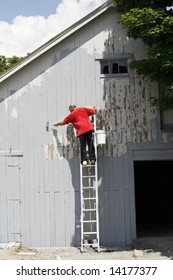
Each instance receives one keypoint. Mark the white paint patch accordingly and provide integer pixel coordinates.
(6, 104)
(55, 148)
(19, 93)
(37, 82)
(14, 113)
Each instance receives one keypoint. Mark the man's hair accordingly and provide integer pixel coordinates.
(72, 106)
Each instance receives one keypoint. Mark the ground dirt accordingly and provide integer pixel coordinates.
(141, 249)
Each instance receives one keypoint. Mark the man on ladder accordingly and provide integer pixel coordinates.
(79, 118)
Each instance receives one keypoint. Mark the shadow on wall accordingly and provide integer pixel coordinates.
(69, 149)
(72, 153)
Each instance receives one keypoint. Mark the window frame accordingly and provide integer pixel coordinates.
(110, 62)
(114, 57)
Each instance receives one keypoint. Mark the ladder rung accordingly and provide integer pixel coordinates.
(89, 232)
(90, 221)
(89, 198)
(90, 244)
(86, 188)
(89, 176)
(89, 165)
(87, 210)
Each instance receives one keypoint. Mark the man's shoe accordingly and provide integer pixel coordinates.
(84, 163)
(92, 162)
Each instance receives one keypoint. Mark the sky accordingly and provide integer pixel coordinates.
(25, 25)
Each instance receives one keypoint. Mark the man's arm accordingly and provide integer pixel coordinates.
(91, 111)
(58, 123)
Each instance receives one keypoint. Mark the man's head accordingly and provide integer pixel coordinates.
(72, 107)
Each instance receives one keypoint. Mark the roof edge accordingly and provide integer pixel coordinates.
(57, 39)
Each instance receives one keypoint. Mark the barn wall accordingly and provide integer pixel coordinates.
(69, 73)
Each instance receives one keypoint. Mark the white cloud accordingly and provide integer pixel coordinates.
(26, 34)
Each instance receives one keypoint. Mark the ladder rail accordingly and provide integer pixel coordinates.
(96, 173)
(81, 200)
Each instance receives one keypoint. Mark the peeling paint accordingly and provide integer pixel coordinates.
(126, 116)
(61, 147)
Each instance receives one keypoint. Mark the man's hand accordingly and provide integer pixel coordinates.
(94, 108)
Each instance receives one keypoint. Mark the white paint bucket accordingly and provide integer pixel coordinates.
(100, 137)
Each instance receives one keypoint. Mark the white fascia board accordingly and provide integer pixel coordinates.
(57, 39)
(111, 56)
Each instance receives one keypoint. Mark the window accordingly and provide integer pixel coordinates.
(113, 66)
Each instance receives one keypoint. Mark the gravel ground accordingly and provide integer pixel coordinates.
(141, 249)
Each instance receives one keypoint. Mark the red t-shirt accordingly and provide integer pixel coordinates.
(80, 120)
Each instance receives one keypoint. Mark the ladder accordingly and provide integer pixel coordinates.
(89, 202)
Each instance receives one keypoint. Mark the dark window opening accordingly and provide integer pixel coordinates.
(114, 66)
(106, 69)
(123, 66)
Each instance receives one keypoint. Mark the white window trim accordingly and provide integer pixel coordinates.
(113, 75)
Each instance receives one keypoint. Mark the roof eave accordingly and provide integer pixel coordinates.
(57, 39)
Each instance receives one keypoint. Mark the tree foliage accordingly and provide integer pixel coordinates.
(124, 6)
(152, 21)
(8, 62)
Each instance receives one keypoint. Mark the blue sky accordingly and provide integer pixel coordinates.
(9, 9)
(26, 25)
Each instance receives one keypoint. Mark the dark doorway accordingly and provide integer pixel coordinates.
(154, 198)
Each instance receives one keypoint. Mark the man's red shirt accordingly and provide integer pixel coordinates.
(80, 120)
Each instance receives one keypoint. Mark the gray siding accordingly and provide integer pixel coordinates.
(42, 199)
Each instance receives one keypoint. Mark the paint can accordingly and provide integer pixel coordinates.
(100, 137)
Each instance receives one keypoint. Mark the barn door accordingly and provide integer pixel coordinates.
(10, 200)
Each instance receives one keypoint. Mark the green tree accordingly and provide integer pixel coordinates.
(126, 5)
(8, 62)
(152, 21)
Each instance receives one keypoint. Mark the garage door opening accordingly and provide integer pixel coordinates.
(154, 198)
